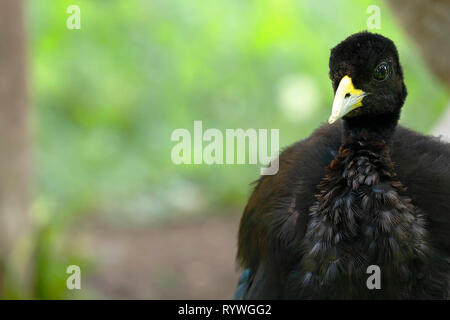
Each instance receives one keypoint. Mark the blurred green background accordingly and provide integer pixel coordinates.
(106, 99)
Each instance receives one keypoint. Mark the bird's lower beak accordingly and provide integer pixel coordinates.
(346, 99)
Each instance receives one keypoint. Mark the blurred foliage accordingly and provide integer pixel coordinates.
(107, 98)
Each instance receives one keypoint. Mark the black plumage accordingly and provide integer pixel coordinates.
(362, 191)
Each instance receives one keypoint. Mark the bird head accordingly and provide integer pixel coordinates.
(366, 76)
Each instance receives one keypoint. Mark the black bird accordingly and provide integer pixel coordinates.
(358, 192)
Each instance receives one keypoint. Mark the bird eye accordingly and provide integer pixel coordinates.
(381, 71)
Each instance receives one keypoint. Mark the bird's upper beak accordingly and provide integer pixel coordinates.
(346, 99)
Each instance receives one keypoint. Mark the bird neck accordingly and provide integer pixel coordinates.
(378, 128)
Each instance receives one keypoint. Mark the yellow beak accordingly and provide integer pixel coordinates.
(346, 99)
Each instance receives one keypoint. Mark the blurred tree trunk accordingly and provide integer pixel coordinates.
(428, 24)
(14, 150)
